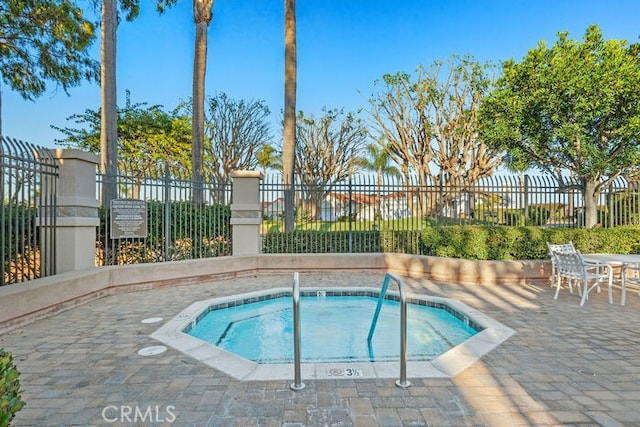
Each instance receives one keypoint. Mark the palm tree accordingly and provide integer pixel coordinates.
(378, 160)
(268, 157)
(202, 14)
(289, 130)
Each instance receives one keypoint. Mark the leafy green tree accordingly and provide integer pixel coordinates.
(571, 109)
(44, 41)
(147, 136)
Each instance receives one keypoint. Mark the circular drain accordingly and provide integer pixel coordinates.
(152, 351)
(587, 372)
(152, 320)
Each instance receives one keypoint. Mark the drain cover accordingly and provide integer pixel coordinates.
(152, 320)
(152, 351)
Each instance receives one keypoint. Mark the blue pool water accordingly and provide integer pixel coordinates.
(333, 329)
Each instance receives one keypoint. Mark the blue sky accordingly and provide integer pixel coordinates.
(343, 47)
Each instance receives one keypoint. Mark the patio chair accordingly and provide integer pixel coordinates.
(574, 268)
(630, 274)
(553, 249)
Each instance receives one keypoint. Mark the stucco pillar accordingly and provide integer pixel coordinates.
(76, 210)
(246, 212)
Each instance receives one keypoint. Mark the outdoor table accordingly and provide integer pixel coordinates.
(614, 260)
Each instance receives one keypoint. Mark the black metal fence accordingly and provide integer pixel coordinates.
(28, 190)
(364, 213)
(370, 208)
(172, 227)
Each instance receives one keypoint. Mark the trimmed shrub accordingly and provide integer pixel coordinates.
(474, 242)
(10, 395)
(537, 215)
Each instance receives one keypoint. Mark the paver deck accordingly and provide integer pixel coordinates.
(565, 365)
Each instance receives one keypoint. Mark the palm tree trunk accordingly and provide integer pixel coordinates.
(109, 106)
(289, 131)
(202, 14)
(108, 117)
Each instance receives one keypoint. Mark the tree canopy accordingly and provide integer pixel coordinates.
(430, 123)
(234, 132)
(147, 136)
(572, 109)
(44, 41)
(328, 150)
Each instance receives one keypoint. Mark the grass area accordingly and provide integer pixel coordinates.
(413, 223)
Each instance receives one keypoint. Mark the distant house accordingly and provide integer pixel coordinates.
(273, 209)
(459, 207)
(339, 205)
(395, 206)
(363, 207)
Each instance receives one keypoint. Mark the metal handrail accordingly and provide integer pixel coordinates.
(402, 382)
(297, 384)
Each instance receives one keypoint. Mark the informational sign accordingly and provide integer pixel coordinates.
(128, 218)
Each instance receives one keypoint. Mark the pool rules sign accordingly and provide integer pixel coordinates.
(128, 218)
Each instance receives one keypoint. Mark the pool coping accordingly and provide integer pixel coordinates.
(447, 365)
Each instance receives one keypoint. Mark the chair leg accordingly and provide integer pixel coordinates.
(585, 293)
(570, 285)
(623, 298)
(558, 284)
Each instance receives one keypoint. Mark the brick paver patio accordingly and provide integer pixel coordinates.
(565, 365)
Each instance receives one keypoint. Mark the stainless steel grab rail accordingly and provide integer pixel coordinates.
(402, 382)
(297, 384)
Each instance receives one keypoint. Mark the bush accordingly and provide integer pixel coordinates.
(514, 218)
(474, 242)
(10, 402)
(538, 215)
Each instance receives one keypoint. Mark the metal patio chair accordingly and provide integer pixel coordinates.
(553, 249)
(575, 269)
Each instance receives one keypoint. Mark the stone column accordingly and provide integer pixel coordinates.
(76, 210)
(246, 212)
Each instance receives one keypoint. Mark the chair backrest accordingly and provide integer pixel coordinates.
(560, 248)
(570, 264)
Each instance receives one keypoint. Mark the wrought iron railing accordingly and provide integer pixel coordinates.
(28, 175)
(176, 228)
(368, 210)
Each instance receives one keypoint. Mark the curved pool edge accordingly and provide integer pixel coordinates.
(447, 365)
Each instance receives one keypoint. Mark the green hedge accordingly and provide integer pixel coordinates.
(474, 242)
